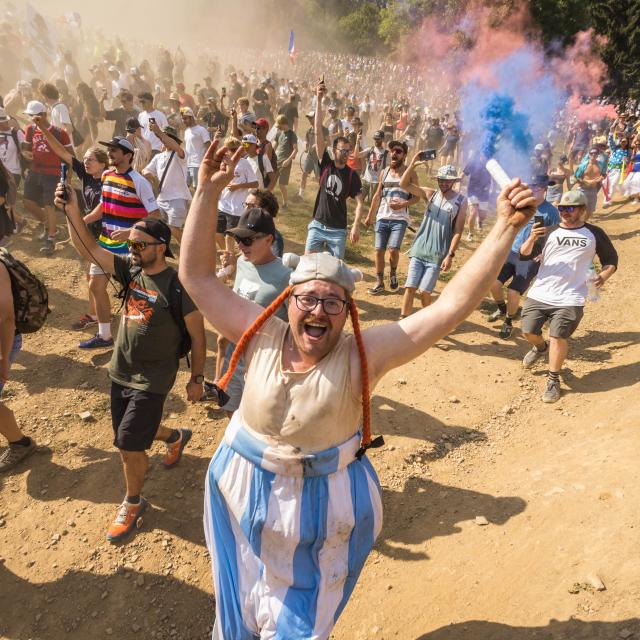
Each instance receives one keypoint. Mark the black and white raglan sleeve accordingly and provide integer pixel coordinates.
(605, 250)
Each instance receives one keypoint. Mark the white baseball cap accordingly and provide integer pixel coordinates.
(35, 107)
(250, 138)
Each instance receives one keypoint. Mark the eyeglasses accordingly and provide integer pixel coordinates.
(247, 242)
(569, 208)
(141, 245)
(331, 306)
(343, 152)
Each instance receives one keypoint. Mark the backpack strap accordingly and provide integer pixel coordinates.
(166, 170)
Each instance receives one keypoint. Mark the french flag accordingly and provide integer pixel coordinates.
(292, 47)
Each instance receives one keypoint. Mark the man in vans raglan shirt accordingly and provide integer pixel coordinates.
(559, 291)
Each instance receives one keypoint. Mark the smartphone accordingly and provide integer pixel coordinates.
(224, 91)
(152, 120)
(538, 219)
(63, 179)
(427, 154)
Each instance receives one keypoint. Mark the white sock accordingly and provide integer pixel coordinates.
(104, 330)
(301, 192)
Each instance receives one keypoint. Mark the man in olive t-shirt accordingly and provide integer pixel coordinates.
(147, 350)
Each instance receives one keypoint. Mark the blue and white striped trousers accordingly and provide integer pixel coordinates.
(288, 535)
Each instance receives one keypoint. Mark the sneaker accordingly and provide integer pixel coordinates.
(39, 233)
(48, 248)
(552, 392)
(393, 281)
(469, 237)
(496, 315)
(126, 519)
(16, 453)
(531, 357)
(174, 449)
(97, 342)
(84, 321)
(379, 288)
(506, 330)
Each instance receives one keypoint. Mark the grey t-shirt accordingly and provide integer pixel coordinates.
(262, 283)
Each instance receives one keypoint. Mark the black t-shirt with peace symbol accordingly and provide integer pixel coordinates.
(336, 185)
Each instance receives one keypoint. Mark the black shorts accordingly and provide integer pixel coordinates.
(520, 272)
(221, 225)
(135, 416)
(40, 188)
(17, 178)
(563, 321)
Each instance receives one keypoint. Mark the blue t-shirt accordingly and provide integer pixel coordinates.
(551, 218)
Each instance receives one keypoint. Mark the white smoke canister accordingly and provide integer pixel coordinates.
(498, 173)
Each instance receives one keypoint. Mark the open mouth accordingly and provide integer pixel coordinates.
(315, 330)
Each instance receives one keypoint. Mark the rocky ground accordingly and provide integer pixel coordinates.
(504, 518)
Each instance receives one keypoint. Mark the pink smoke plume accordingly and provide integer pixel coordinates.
(482, 39)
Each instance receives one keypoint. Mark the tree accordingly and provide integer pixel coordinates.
(619, 22)
(360, 29)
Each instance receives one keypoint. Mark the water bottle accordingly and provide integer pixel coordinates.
(593, 293)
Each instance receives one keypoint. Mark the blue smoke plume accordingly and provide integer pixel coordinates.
(510, 108)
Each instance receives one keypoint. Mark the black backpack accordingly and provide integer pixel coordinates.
(30, 296)
(175, 308)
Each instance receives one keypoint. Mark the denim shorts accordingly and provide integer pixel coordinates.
(390, 233)
(320, 235)
(15, 349)
(422, 275)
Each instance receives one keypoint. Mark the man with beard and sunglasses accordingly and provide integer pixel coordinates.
(559, 292)
(437, 239)
(146, 355)
(390, 206)
(292, 502)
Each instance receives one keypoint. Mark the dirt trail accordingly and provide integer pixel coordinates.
(468, 442)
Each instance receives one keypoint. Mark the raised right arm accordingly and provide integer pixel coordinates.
(228, 313)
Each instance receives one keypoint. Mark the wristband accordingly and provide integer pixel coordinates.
(199, 379)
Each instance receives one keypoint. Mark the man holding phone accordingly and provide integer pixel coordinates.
(565, 253)
(148, 116)
(518, 275)
(390, 206)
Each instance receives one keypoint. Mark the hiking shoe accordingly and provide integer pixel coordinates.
(126, 519)
(552, 392)
(174, 449)
(97, 342)
(379, 288)
(531, 357)
(496, 315)
(393, 282)
(16, 453)
(48, 248)
(84, 321)
(506, 329)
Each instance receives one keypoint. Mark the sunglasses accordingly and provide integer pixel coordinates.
(141, 245)
(343, 152)
(569, 208)
(247, 242)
